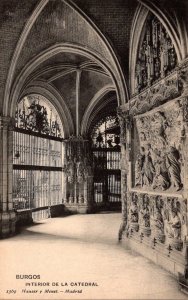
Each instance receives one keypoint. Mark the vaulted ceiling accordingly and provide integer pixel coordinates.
(50, 42)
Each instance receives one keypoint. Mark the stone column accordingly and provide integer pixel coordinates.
(7, 213)
(124, 170)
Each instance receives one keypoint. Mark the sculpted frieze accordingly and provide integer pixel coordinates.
(159, 93)
(158, 217)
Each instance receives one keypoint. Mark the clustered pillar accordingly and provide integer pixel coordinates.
(7, 214)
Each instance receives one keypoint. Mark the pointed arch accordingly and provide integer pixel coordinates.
(96, 99)
(19, 46)
(48, 91)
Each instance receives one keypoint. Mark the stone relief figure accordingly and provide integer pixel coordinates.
(174, 228)
(145, 212)
(69, 170)
(157, 67)
(148, 167)
(133, 210)
(161, 178)
(133, 214)
(174, 169)
(173, 223)
(160, 125)
(142, 137)
(81, 199)
(80, 170)
(158, 222)
(139, 167)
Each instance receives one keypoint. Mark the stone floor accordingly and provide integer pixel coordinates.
(74, 249)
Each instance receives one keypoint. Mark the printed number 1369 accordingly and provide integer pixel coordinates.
(11, 291)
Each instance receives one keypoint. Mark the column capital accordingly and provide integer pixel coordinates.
(125, 116)
(7, 122)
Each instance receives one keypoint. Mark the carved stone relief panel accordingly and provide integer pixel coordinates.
(170, 87)
(161, 218)
(156, 55)
(158, 164)
(78, 161)
(78, 170)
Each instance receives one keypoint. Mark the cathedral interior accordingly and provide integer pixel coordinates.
(94, 138)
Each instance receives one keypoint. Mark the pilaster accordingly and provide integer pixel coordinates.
(125, 141)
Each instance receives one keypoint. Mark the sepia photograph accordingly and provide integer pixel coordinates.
(93, 149)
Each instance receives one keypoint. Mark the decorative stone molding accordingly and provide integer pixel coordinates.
(183, 79)
(159, 93)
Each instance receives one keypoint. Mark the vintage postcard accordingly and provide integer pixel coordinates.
(93, 149)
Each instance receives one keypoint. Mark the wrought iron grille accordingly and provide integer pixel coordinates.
(106, 161)
(35, 114)
(37, 157)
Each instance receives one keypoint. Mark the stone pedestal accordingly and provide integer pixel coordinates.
(177, 244)
(7, 214)
(145, 230)
(134, 226)
(7, 223)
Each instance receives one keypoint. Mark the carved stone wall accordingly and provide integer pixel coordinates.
(155, 142)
